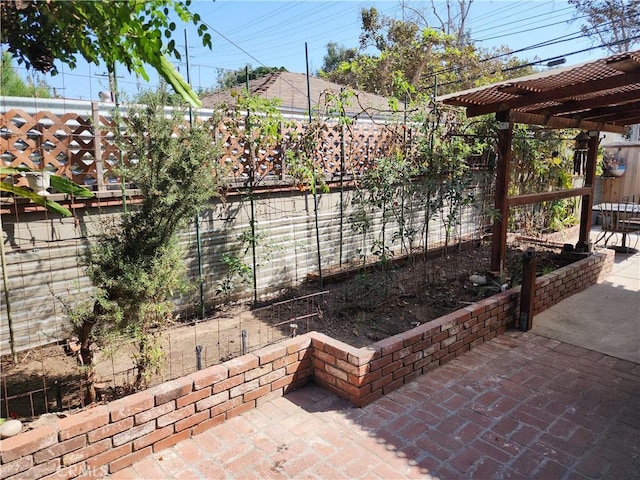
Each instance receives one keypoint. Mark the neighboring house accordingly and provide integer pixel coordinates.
(291, 89)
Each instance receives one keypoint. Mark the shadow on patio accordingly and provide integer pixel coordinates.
(564, 403)
(518, 406)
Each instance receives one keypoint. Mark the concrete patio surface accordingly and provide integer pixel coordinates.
(559, 402)
(604, 317)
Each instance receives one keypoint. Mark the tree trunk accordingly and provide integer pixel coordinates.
(86, 355)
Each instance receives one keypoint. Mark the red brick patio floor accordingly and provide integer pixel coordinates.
(519, 406)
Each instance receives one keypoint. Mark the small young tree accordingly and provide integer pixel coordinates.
(138, 262)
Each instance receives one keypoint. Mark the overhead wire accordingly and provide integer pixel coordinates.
(522, 31)
(538, 62)
(267, 55)
(511, 6)
(517, 17)
(255, 54)
(528, 19)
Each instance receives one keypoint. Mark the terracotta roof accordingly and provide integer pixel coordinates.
(291, 89)
(599, 95)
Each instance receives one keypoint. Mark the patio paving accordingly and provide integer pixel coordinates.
(605, 317)
(519, 406)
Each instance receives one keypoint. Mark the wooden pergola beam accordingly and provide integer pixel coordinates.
(503, 170)
(587, 200)
(598, 96)
(555, 94)
(562, 122)
(580, 106)
(532, 198)
(614, 114)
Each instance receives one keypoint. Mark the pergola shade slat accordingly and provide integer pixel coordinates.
(609, 82)
(598, 96)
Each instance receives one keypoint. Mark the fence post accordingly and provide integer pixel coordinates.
(244, 342)
(199, 357)
(97, 145)
(528, 289)
(58, 395)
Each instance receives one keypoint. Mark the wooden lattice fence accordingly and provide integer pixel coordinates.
(83, 148)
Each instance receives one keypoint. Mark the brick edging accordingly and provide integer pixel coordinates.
(366, 374)
(108, 438)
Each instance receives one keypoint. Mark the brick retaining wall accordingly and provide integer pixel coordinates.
(365, 374)
(108, 438)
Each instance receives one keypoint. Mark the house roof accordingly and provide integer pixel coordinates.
(598, 95)
(291, 89)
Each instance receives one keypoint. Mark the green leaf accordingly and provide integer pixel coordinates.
(64, 185)
(35, 198)
(13, 170)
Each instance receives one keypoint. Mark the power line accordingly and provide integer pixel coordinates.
(523, 31)
(537, 62)
(504, 21)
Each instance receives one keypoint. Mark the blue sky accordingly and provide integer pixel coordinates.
(273, 33)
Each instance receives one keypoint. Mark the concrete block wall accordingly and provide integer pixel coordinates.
(108, 438)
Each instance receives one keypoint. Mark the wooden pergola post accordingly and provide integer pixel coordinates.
(503, 169)
(587, 199)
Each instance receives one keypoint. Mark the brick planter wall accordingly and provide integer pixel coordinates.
(108, 438)
(365, 374)
(564, 282)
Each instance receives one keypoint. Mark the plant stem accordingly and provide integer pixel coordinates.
(5, 281)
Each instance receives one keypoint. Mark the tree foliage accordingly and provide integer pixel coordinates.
(616, 23)
(412, 60)
(452, 21)
(336, 54)
(231, 78)
(137, 262)
(12, 85)
(131, 32)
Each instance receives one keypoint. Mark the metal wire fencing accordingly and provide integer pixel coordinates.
(48, 380)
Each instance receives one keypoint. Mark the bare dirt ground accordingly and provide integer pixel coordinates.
(358, 308)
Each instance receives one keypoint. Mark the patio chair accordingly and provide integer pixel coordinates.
(632, 198)
(620, 218)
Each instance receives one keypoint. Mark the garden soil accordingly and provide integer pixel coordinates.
(358, 307)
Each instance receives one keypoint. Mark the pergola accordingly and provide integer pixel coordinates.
(597, 96)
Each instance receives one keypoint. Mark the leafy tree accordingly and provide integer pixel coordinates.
(613, 22)
(130, 32)
(13, 86)
(452, 21)
(231, 78)
(137, 263)
(336, 54)
(411, 60)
